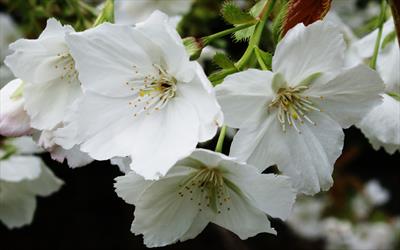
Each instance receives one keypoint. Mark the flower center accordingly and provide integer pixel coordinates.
(207, 187)
(66, 64)
(153, 92)
(293, 107)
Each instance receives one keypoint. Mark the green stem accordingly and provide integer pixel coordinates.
(208, 39)
(260, 60)
(372, 63)
(256, 37)
(221, 139)
(88, 8)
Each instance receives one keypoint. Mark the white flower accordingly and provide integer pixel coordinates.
(132, 12)
(305, 219)
(382, 125)
(143, 97)
(205, 187)
(22, 177)
(375, 193)
(48, 70)
(14, 121)
(293, 116)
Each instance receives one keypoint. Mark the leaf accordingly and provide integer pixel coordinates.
(234, 15)
(223, 61)
(278, 23)
(245, 34)
(394, 95)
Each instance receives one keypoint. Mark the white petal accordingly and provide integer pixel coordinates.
(17, 205)
(75, 158)
(130, 186)
(106, 126)
(242, 92)
(167, 137)
(25, 145)
(46, 184)
(58, 95)
(349, 96)
(201, 94)
(270, 193)
(123, 163)
(13, 119)
(382, 124)
(110, 55)
(34, 60)
(243, 219)
(388, 65)
(304, 51)
(158, 29)
(18, 168)
(307, 158)
(161, 215)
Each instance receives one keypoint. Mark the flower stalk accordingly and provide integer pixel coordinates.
(381, 20)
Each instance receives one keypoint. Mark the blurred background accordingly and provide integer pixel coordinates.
(361, 210)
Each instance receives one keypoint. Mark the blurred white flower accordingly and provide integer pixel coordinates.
(205, 187)
(14, 121)
(48, 70)
(132, 12)
(375, 193)
(338, 233)
(293, 116)
(373, 236)
(353, 15)
(9, 33)
(305, 219)
(22, 177)
(143, 97)
(381, 125)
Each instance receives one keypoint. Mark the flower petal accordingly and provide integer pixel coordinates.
(201, 94)
(17, 206)
(14, 121)
(242, 92)
(130, 186)
(307, 158)
(350, 96)
(388, 65)
(35, 61)
(304, 51)
(109, 56)
(382, 124)
(18, 168)
(159, 207)
(243, 219)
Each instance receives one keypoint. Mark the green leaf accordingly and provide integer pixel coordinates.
(223, 61)
(278, 23)
(234, 15)
(388, 39)
(245, 34)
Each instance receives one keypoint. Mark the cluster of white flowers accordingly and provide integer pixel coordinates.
(130, 94)
(308, 221)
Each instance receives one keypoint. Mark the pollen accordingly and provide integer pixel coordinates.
(293, 107)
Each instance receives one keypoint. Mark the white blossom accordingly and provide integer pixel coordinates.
(48, 70)
(14, 121)
(143, 97)
(23, 176)
(205, 187)
(294, 115)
